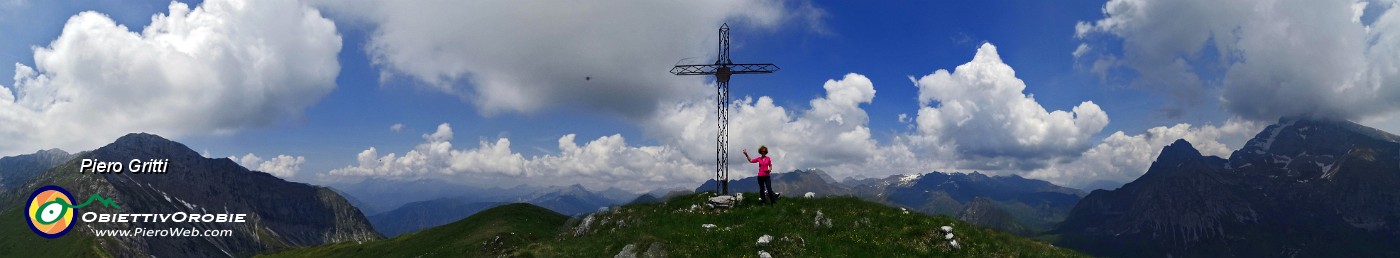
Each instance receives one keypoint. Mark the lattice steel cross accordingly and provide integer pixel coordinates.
(722, 69)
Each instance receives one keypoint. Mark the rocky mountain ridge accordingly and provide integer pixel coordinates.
(1301, 187)
(280, 214)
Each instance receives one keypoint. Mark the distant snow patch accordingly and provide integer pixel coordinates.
(906, 179)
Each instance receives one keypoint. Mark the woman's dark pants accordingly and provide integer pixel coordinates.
(765, 190)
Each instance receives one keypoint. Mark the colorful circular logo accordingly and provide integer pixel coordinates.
(50, 211)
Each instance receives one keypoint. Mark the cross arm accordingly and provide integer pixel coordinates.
(707, 69)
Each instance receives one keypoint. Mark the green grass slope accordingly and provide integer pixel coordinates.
(492, 232)
(856, 228)
(16, 240)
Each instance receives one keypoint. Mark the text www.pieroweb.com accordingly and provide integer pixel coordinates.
(167, 232)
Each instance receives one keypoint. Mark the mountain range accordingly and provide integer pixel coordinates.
(1301, 187)
(426, 214)
(1012, 203)
(383, 195)
(1033, 205)
(19, 169)
(795, 182)
(280, 214)
(376, 195)
(568, 200)
(679, 226)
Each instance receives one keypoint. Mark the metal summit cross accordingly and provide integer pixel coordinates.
(722, 69)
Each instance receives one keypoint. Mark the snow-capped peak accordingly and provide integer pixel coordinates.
(909, 178)
(1269, 143)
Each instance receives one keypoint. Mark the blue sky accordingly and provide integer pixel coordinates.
(383, 76)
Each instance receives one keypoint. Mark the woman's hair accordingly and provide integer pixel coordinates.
(762, 150)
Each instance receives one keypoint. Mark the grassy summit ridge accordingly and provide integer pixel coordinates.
(847, 227)
(491, 232)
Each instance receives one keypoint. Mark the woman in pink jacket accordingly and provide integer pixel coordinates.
(765, 183)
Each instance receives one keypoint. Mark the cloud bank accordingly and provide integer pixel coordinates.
(283, 166)
(606, 161)
(609, 55)
(224, 66)
(975, 118)
(1333, 59)
(1121, 158)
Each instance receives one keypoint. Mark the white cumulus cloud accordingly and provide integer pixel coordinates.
(1121, 158)
(981, 110)
(833, 134)
(604, 162)
(283, 166)
(527, 56)
(221, 67)
(1332, 58)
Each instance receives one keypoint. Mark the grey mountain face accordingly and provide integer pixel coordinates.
(364, 207)
(1299, 188)
(281, 214)
(15, 170)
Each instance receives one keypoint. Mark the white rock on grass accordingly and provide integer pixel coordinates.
(724, 201)
(821, 220)
(656, 250)
(809, 195)
(764, 254)
(629, 251)
(954, 243)
(708, 226)
(948, 237)
(947, 229)
(765, 240)
(583, 227)
(739, 197)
